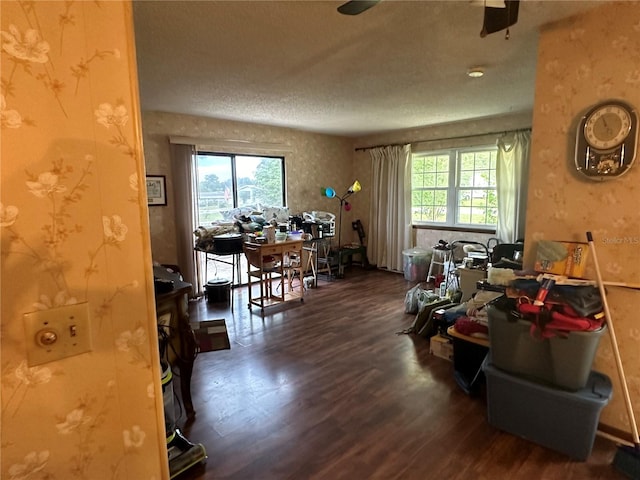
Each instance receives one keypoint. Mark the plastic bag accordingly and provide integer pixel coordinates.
(411, 300)
(417, 297)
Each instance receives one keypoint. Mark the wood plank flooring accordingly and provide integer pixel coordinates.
(326, 389)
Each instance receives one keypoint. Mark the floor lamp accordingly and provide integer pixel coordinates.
(331, 193)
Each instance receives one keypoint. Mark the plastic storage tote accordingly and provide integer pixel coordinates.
(564, 362)
(557, 419)
(416, 264)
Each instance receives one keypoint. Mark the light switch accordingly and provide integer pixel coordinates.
(57, 333)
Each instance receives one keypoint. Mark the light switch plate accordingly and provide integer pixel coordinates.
(57, 333)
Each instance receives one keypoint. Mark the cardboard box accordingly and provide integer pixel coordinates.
(561, 258)
(211, 335)
(441, 347)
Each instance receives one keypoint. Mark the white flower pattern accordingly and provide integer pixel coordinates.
(8, 215)
(60, 299)
(114, 230)
(32, 376)
(46, 185)
(109, 116)
(133, 438)
(74, 420)
(28, 47)
(128, 339)
(8, 118)
(33, 462)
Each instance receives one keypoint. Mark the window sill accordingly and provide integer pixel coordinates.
(448, 228)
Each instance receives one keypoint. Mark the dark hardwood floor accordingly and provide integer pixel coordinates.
(326, 389)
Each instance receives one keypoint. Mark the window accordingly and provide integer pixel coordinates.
(227, 181)
(455, 188)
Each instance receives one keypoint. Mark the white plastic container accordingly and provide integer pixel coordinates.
(416, 264)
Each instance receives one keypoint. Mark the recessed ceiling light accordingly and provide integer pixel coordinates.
(476, 72)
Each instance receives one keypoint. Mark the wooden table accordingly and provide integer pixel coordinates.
(172, 310)
(258, 268)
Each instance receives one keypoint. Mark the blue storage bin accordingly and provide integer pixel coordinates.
(554, 418)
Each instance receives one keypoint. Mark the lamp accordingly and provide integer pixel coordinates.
(331, 193)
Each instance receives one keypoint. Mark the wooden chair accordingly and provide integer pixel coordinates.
(263, 271)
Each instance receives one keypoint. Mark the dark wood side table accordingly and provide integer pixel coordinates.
(174, 305)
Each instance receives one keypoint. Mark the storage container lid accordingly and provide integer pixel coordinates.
(597, 390)
(416, 252)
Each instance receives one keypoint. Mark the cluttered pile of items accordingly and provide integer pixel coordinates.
(533, 336)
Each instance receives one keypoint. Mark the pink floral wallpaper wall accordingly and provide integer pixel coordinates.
(581, 62)
(73, 226)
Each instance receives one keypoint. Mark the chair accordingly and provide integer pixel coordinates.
(503, 255)
(258, 268)
(312, 252)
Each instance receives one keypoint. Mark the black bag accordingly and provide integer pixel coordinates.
(430, 328)
(424, 314)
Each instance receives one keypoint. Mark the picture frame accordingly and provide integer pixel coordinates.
(156, 190)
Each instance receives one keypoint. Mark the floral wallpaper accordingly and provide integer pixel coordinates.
(581, 62)
(73, 226)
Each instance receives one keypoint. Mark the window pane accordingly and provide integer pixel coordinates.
(440, 198)
(466, 178)
(467, 161)
(259, 181)
(464, 215)
(483, 160)
(442, 179)
(214, 187)
(443, 163)
(474, 191)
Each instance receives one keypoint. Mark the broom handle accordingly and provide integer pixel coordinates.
(614, 344)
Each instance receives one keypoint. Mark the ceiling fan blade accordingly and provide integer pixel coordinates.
(356, 7)
(496, 19)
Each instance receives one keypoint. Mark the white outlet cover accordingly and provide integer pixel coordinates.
(70, 324)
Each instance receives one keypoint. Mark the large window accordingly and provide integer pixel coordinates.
(455, 188)
(226, 181)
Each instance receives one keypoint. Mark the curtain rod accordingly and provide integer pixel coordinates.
(462, 137)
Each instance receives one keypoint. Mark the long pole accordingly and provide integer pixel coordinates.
(340, 225)
(614, 345)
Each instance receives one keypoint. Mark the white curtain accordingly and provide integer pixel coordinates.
(512, 173)
(390, 215)
(183, 176)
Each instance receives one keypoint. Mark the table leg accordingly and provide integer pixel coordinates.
(185, 363)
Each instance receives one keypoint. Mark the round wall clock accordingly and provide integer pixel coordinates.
(606, 140)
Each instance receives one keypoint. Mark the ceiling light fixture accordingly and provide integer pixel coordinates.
(475, 72)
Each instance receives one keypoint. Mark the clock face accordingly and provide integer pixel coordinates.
(607, 127)
(606, 140)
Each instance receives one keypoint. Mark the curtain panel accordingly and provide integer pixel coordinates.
(390, 215)
(512, 174)
(182, 169)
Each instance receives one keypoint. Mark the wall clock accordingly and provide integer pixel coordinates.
(606, 140)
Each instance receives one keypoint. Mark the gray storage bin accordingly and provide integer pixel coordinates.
(564, 362)
(557, 419)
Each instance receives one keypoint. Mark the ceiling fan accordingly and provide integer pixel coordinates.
(498, 15)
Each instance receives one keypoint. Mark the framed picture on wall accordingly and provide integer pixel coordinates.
(156, 190)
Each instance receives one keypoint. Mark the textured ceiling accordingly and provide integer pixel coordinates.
(300, 64)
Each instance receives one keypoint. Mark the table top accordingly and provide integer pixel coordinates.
(179, 286)
(478, 341)
(284, 244)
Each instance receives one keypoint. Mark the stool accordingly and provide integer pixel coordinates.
(439, 259)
